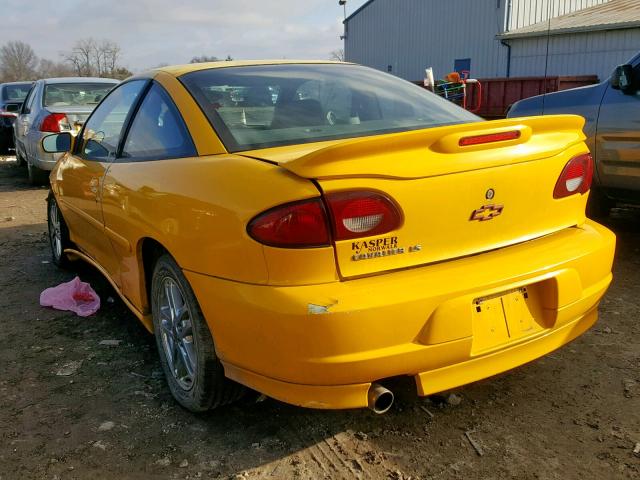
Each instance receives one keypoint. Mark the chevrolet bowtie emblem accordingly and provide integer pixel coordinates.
(486, 212)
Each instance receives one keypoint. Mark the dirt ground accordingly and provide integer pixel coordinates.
(573, 414)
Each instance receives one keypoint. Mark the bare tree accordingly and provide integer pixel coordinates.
(337, 55)
(108, 55)
(121, 73)
(18, 61)
(90, 58)
(204, 59)
(80, 57)
(50, 69)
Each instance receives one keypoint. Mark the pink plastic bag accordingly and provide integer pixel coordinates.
(75, 296)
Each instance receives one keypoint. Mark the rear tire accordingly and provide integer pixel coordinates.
(193, 371)
(599, 205)
(37, 176)
(58, 233)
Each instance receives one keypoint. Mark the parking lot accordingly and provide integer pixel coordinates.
(75, 406)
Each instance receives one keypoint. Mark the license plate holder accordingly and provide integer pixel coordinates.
(502, 318)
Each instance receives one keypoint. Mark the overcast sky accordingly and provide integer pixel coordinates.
(151, 32)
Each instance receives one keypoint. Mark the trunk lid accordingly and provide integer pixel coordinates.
(456, 200)
(76, 115)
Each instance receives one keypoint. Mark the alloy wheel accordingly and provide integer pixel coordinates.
(55, 230)
(177, 333)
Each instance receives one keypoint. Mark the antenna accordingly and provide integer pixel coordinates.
(546, 57)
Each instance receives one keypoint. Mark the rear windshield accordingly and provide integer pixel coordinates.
(273, 105)
(15, 93)
(75, 94)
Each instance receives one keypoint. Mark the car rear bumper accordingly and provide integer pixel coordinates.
(45, 161)
(323, 345)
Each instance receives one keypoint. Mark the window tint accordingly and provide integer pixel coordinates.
(103, 130)
(158, 130)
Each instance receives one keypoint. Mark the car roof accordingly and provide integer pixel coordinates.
(49, 81)
(178, 70)
(26, 82)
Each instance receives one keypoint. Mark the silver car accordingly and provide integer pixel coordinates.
(54, 105)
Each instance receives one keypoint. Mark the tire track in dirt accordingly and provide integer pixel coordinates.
(343, 452)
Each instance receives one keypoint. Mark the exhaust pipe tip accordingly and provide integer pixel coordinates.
(379, 399)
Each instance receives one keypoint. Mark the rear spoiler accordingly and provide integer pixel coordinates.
(441, 150)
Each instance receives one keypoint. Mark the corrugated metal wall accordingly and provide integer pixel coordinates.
(527, 12)
(410, 35)
(574, 54)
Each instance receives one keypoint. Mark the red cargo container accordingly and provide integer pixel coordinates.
(498, 94)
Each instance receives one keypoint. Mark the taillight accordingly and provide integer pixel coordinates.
(575, 177)
(298, 224)
(489, 138)
(362, 213)
(54, 123)
(305, 224)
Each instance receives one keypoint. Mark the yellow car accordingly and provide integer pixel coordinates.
(310, 229)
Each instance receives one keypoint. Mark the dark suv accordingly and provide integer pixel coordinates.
(612, 113)
(11, 97)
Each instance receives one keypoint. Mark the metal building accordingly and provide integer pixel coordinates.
(494, 38)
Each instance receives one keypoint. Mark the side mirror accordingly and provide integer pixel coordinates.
(57, 143)
(622, 78)
(13, 107)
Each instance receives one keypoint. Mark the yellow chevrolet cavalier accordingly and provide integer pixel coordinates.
(309, 230)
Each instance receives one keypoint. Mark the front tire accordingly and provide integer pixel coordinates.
(193, 371)
(58, 233)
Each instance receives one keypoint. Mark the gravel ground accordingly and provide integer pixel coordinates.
(573, 414)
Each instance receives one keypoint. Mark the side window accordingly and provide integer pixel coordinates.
(103, 130)
(158, 130)
(28, 102)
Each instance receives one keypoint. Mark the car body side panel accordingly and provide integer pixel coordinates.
(198, 209)
(24, 120)
(77, 183)
(618, 141)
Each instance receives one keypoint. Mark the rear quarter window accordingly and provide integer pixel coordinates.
(158, 130)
